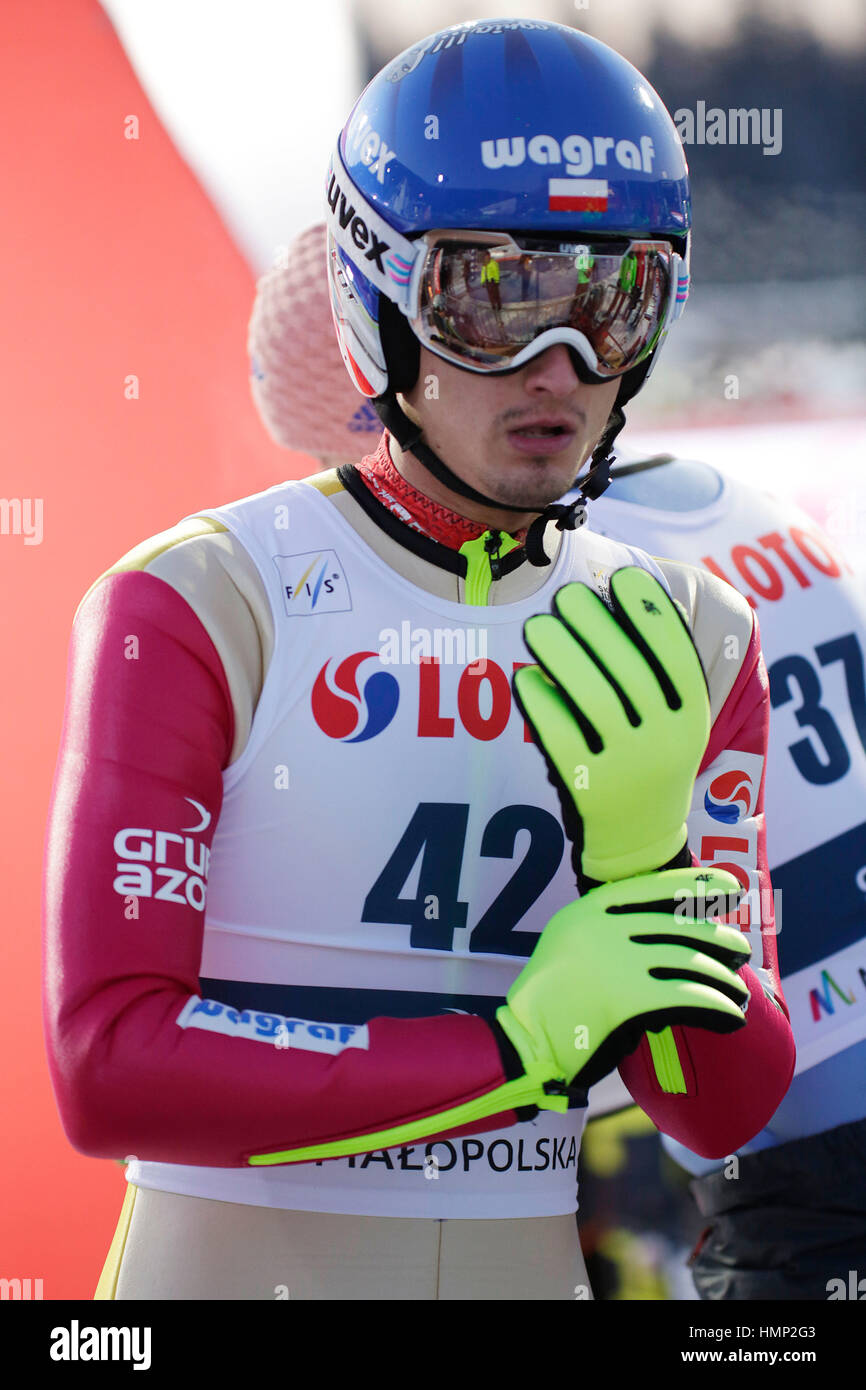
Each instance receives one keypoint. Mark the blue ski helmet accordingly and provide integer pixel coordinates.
(516, 126)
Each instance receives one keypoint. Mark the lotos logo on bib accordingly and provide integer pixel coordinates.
(446, 699)
(729, 797)
(342, 711)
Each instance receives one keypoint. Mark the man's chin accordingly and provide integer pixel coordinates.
(553, 478)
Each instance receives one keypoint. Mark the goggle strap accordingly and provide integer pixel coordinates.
(680, 288)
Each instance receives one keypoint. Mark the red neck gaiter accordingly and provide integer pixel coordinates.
(413, 507)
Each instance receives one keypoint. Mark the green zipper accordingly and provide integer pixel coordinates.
(483, 556)
(526, 1090)
(667, 1062)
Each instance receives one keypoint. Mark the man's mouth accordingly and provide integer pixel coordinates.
(542, 436)
(531, 431)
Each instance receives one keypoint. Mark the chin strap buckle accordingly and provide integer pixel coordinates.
(568, 517)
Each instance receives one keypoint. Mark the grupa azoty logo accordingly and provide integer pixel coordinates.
(166, 864)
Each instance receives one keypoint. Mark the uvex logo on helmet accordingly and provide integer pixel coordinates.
(579, 154)
(366, 144)
(360, 233)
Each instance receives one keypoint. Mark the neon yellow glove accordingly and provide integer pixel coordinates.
(620, 710)
(629, 956)
(603, 970)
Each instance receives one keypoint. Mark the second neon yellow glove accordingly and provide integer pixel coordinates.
(627, 957)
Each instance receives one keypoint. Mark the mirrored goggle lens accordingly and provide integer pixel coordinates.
(482, 305)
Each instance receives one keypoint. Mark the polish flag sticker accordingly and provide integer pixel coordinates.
(577, 195)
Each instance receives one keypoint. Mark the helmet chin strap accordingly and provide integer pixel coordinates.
(567, 516)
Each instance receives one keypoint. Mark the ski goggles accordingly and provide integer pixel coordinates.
(491, 301)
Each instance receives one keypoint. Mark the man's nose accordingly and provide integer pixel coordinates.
(552, 371)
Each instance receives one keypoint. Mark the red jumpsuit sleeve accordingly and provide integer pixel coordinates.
(734, 1082)
(147, 731)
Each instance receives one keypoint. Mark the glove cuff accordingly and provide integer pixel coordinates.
(681, 860)
(519, 1042)
(511, 1065)
(517, 1048)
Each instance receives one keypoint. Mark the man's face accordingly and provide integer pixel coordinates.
(521, 438)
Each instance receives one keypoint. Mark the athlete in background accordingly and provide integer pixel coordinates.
(794, 1214)
(788, 1218)
(246, 985)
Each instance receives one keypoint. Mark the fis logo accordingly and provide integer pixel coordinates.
(313, 583)
(728, 798)
(344, 712)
